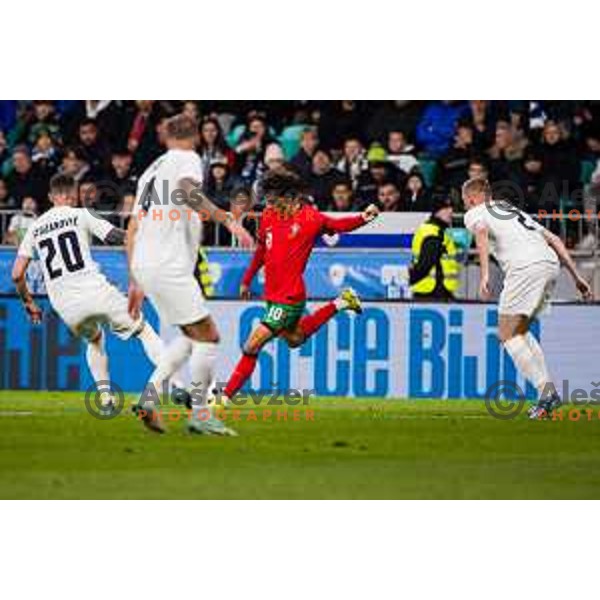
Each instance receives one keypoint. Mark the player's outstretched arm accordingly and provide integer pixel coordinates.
(257, 262)
(18, 277)
(350, 223)
(483, 248)
(565, 258)
(197, 200)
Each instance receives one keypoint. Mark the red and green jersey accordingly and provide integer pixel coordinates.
(284, 247)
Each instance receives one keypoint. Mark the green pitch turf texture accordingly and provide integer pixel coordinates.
(50, 447)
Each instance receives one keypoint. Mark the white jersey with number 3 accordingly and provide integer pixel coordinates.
(169, 232)
(517, 240)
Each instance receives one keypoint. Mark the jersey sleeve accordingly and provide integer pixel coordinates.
(27, 246)
(340, 224)
(98, 226)
(475, 219)
(257, 260)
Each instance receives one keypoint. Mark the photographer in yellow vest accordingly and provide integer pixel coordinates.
(435, 269)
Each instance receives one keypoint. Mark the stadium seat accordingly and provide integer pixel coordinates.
(428, 169)
(233, 137)
(290, 140)
(587, 169)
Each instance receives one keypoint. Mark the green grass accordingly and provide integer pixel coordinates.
(50, 447)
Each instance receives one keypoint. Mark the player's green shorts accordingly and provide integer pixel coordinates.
(279, 317)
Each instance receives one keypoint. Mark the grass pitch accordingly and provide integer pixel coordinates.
(50, 447)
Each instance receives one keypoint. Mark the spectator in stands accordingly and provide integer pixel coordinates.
(239, 207)
(379, 171)
(354, 161)
(45, 155)
(400, 153)
(342, 197)
(120, 173)
(21, 221)
(212, 146)
(560, 167)
(219, 183)
(4, 153)
(95, 152)
(436, 127)
(479, 116)
(88, 193)
(73, 164)
(309, 142)
(251, 149)
(394, 115)
(340, 121)
(6, 202)
(455, 163)
(323, 178)
(43, 116)
(190, 109)
(388, 196)
(506, 162)
(477, 169)
(141, 127)
(415, 196)
(26, 180)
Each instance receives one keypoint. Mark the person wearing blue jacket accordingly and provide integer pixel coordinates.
(435, 130)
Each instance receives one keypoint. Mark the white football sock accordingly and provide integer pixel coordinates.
(97, 361)
(171, 360)
(153, 345)
(202, 365)
(154, 348)
(540, 359)
(525, 361)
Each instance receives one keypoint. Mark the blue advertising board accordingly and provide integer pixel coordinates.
(392, 350)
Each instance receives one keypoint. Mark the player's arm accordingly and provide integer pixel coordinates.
(350, 223)
(135, 294)
(257, 262)
(482, 241)
(565, 258)
(197, 200)
(19, 271)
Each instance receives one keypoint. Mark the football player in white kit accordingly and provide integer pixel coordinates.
(163, 245)
(530, 257)
(77, 290)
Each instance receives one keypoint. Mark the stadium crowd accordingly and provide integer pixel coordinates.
(400, 154)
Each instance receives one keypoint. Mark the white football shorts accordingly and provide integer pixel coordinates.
(177, 297)
(527, 290)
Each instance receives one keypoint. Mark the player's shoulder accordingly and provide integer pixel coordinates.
(476, 214)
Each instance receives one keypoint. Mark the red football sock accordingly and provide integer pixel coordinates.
(311, 323)
(241, 374)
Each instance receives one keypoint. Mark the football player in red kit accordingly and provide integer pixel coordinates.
(289, 229)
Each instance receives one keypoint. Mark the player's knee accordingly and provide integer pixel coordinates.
(250, 348)
(295, 341)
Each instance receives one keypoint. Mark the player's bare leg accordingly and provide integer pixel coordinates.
(204, 338)
(527, 354)
(259, 337)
